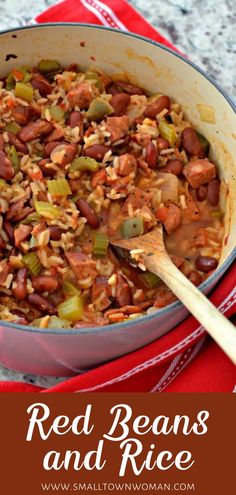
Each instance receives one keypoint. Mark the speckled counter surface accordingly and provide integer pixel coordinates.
(203, 29)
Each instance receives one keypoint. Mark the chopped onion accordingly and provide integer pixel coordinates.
(207, 113)
(169, 187)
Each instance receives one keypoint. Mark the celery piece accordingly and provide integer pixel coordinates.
(47, 210)
(71, 309)
(204, 142)
(59, 187)
(33, 217)
(83, 163)
(216, 214)
(24, 91)
(57, 113)
(27, 77)
(13, 127)
(13, 156)
(10, 81)
(132, 227)
(36, 322)
(94, 76)
(55, 322)
(31, 261)
(70, 289)
(48, 66)
(168, 132)
(98, 108)
(3, 184)
(100, 244)
(149, 279)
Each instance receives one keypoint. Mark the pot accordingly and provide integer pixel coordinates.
(152, 66)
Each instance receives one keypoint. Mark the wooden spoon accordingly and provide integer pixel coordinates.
(155, 258)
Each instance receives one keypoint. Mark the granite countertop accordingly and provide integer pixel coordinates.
(203, 29)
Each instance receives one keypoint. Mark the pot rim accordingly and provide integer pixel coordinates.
(142, 320)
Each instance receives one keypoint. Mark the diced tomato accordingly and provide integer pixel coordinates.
(162, 213)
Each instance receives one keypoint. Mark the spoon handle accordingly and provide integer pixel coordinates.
(216, 324)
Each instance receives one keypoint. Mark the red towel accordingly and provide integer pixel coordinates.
(172, 363)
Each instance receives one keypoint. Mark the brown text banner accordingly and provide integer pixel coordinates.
(120, 443)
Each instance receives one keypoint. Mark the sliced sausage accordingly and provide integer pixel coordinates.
(173, 218)
(21, 114)
(199, 172)
(80, 95)
(82, 265)
(19, 289)
(123, 292)
(127, 164)
(118, 127)
(21, 233)
(101, 292)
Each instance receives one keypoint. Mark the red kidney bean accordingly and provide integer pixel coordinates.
(44, 283)
(9, 230)
(70, 152)
(21, 114)
(49, 147)
(34, 130)
(151, 155)
(123, 292)
(41, 304)
(2, 143)
(55, 135)
(201, 193)
(75, 119)
(174, 167)
(14, 209)
(162, 144)
(18, 212)
(213, 192)
(20, 289)
(206, 263)
(195, 278)
(13, 139)
(2, 243)
(47, 171)
(157, 106)
(6, 168)
(55, 232)
(21, 233)
(42, 84)
(129, 88)
(86, 210)
(119, 102)
(191, 142)
(96, 151)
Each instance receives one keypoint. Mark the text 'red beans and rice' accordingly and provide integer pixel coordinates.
(84, 159)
